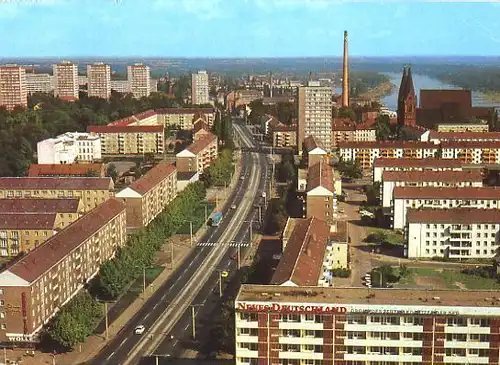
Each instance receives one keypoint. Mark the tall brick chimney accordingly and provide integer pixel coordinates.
(345, 75)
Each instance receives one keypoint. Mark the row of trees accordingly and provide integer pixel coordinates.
(284, 112)
(221, 170)
(80, 316)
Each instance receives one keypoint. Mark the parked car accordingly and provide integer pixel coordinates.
(139, 330)
(233, 206)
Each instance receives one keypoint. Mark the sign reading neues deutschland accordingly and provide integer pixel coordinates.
(285, 308)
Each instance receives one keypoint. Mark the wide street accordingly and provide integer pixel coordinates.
(193, 281)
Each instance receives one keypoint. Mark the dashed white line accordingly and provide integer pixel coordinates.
(110, 356)
(121, 344)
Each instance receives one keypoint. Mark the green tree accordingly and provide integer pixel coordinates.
(349, 169)
(347, 113)
(112, 172)
(383, 129)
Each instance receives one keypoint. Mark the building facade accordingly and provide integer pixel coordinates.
(366, 152)
(460, 233)
(99, 80)
(321, 197)
(146, 197)
(198, 155)
(472, 152)
(462, 127)
(139, 80)
(380, 165)
(66, 82)
(69, 148)
(34, 288)
(130, 139)
(441, 198)
(346, 130)
(361, 326)
(39, 83)
(93, 191)
(120, 86)
(184, 118)
(199, 88)
(284, 135)
(315, 114)
(13, 87)
(312, 151)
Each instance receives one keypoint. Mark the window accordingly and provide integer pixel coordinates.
(4, 326)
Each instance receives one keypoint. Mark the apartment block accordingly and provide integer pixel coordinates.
(93, 191)
(392, 179)
(441, 198)
(315, 114)
(68, 210)
(139, 80)
(312, 151)
(34, 288)
(346, 130)
(460, 233)
(69, 148)
(321, 196)
(380, 165)
(199, 88)
(462, 127)
(66, 80)
(146, 197)
(120, 86)
(69, 170)
(198, 155)
(355, 326)
(39, 83)
(184, 118)
(130, 139)
(22, 232)
(99, 80)
(13, 87)
(472, 152)
(284, 135)
(240, 98)
(200, 130)
(366, 152)
(438, 137)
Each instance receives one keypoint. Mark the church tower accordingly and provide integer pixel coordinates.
(407, 100)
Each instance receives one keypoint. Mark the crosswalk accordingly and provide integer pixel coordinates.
(232, 244)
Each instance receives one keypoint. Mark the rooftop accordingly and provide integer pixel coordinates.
(199, 125)
(153, 177)
(401, 297)
(454, 193)
(310, 143)
(416, 162)
(126, 129)
(56, 183)
(457, 215)
(39, 205)
(387, 144)
(184, 110)
(448, 176)
(38, 261)
(320, 174)
(471, 144)
(73, 169)
(302, 260)
(45, 221)
(202, 143)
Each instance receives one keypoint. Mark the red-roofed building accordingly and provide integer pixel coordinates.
(198, 155)
(185, 117)
(67, 170)
(35, 287)
(412, 164)
(346, 130)
(284, 135)
(472, 152)
(149, 195)
(200, 130)
(321, 192)
(130, 139)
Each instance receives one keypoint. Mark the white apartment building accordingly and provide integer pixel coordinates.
(139, 80)
(99, 80)
(441, 198)
(66, 81)
(200, 88)
(315, 114)
(362, 326)
(120, 86)
(184, 118)
(39, 83)
(412, 164)
(438, 137)
(472, 152)
(69, 148)
(365, 153)
(392, 179)
(13, 88)
(453, 233)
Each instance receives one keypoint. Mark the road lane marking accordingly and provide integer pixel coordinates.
(110, 356)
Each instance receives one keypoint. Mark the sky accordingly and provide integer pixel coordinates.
(246, 28)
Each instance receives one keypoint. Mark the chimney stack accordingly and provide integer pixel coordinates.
(271, 84)
(345, 75)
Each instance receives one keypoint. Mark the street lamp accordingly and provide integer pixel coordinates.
(106, 320)
(144, 278)
(193, 318)
(190, 232)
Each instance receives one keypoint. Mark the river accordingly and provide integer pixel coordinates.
(425, 82)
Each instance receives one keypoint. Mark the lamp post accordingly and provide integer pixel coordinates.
(106, 319)
(193, 318)
(144, 278)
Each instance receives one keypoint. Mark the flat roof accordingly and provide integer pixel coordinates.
(362, 295)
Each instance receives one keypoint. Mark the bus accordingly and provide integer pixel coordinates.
(216, 219)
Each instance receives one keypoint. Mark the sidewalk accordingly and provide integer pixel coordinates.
(95, 343)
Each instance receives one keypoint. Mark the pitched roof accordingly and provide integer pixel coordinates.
(38, 261)
(470, 144)
(406, 88)
(417, 162)
(74, 169)
(202, 143)
(454, 193)
(13, 206)
(30, 221)
(126, 129)
(435, 98)
(448, 176)
(56, 183)
(144, 115)
(153, 177)
(343, 124)
(456, 215)
(463, 136)
(184, 110)
(320, 174)
(302, 261)
(310, 143)
(387, 144)
(199, 125)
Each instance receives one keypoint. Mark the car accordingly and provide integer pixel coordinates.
(139, 330)
(242, 177)
(234, 257)
(233, 206)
